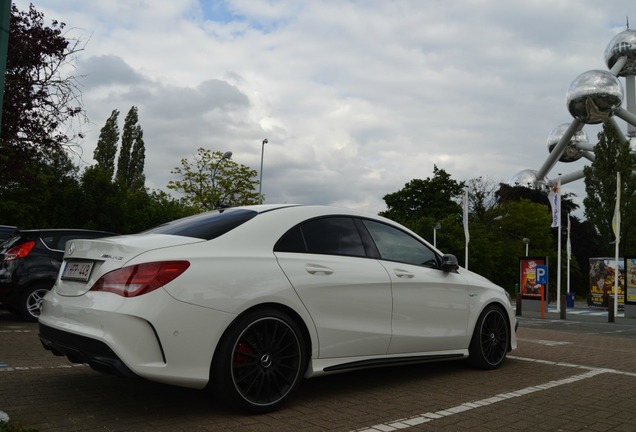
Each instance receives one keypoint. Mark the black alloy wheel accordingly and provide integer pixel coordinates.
(489, 343)
(262, 361)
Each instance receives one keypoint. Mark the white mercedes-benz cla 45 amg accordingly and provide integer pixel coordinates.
(248, 301)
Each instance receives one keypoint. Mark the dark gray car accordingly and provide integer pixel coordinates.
(29, 263)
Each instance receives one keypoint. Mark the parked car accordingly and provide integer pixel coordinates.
(29, 263)
(6, 231)
(248, 301)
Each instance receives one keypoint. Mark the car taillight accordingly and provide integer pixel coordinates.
(19, 251)
(133, 281)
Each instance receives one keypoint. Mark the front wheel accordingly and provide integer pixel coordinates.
(259, 362)
(489, 344)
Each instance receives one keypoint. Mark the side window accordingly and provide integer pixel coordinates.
(292, 241)
(331, 236)
(396, 245)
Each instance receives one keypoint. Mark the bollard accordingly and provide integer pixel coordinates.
(610, 309)
(563, 306)
(518, 311)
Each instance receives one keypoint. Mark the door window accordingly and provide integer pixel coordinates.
(331, 236)
(396, 245)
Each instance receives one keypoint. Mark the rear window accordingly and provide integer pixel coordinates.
(10, 242)
(205, 226)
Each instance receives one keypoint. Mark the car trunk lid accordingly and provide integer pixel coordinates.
(85, 261)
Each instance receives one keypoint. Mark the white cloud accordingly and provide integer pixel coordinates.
(355, 98)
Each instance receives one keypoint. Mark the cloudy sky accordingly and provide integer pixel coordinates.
(356, 98)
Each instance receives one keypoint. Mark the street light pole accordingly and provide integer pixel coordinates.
(260, 182)
(436, 226)
(226, 155)
(526, 240)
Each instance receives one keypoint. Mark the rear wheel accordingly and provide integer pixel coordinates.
(489, 344)
(260, 361)
(31, 301)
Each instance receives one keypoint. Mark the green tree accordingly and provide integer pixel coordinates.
(435, 198)
(211, 181)
(498, 256)
(481, 197)
(612, 155)
(40, 104)
(130, 165)
(106, 148)
(102, 202)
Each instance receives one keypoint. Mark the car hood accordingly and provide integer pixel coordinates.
(110, 253)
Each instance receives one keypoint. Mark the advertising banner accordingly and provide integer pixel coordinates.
(630, 280)
(602, 275)
(532, 271)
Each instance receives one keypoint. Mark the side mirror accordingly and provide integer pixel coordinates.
(449, 263)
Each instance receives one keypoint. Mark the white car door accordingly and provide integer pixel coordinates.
(430, 306)
(347, 294)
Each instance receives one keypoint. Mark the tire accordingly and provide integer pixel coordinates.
(259, 362)
(490, 341)
(31, 301)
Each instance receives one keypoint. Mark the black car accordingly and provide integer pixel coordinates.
(29, 263)
(6, 231)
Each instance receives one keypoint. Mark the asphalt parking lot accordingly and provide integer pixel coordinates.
(566, 375)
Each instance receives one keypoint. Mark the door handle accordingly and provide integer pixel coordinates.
(318, 269)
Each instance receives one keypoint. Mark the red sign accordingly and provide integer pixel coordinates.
(528, 284)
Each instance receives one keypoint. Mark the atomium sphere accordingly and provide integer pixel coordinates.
(622, 45)
(632, 146)
(594, 96)
(571, 152)
(530, 179)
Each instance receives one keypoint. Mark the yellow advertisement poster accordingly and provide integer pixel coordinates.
(602, 276)
(630, 280)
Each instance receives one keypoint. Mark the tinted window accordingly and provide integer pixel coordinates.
(396, 245)
(332, 236)
(206, 226)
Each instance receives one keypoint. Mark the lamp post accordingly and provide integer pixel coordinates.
(436, 226)
(260, 182)
(226, 155)
(526, 241)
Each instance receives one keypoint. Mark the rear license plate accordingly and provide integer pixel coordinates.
(79, 271)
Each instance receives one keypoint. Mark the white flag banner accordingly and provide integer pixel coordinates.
(569, 244)
(466, 233)
(555, 202)
(616, 220)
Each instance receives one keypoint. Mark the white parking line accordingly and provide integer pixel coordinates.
(6, 368)
(409, 422)
(545, 342)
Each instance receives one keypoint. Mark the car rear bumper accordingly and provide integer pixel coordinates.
(154, 336)
(82, 349)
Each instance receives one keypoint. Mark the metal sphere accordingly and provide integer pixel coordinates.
(530, 179)
(622, 45)
(594, 96)
(632, 145)
(571, 152)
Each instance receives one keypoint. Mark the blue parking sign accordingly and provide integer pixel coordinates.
(542, 274)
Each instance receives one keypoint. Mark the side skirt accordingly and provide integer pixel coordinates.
(325, 366)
